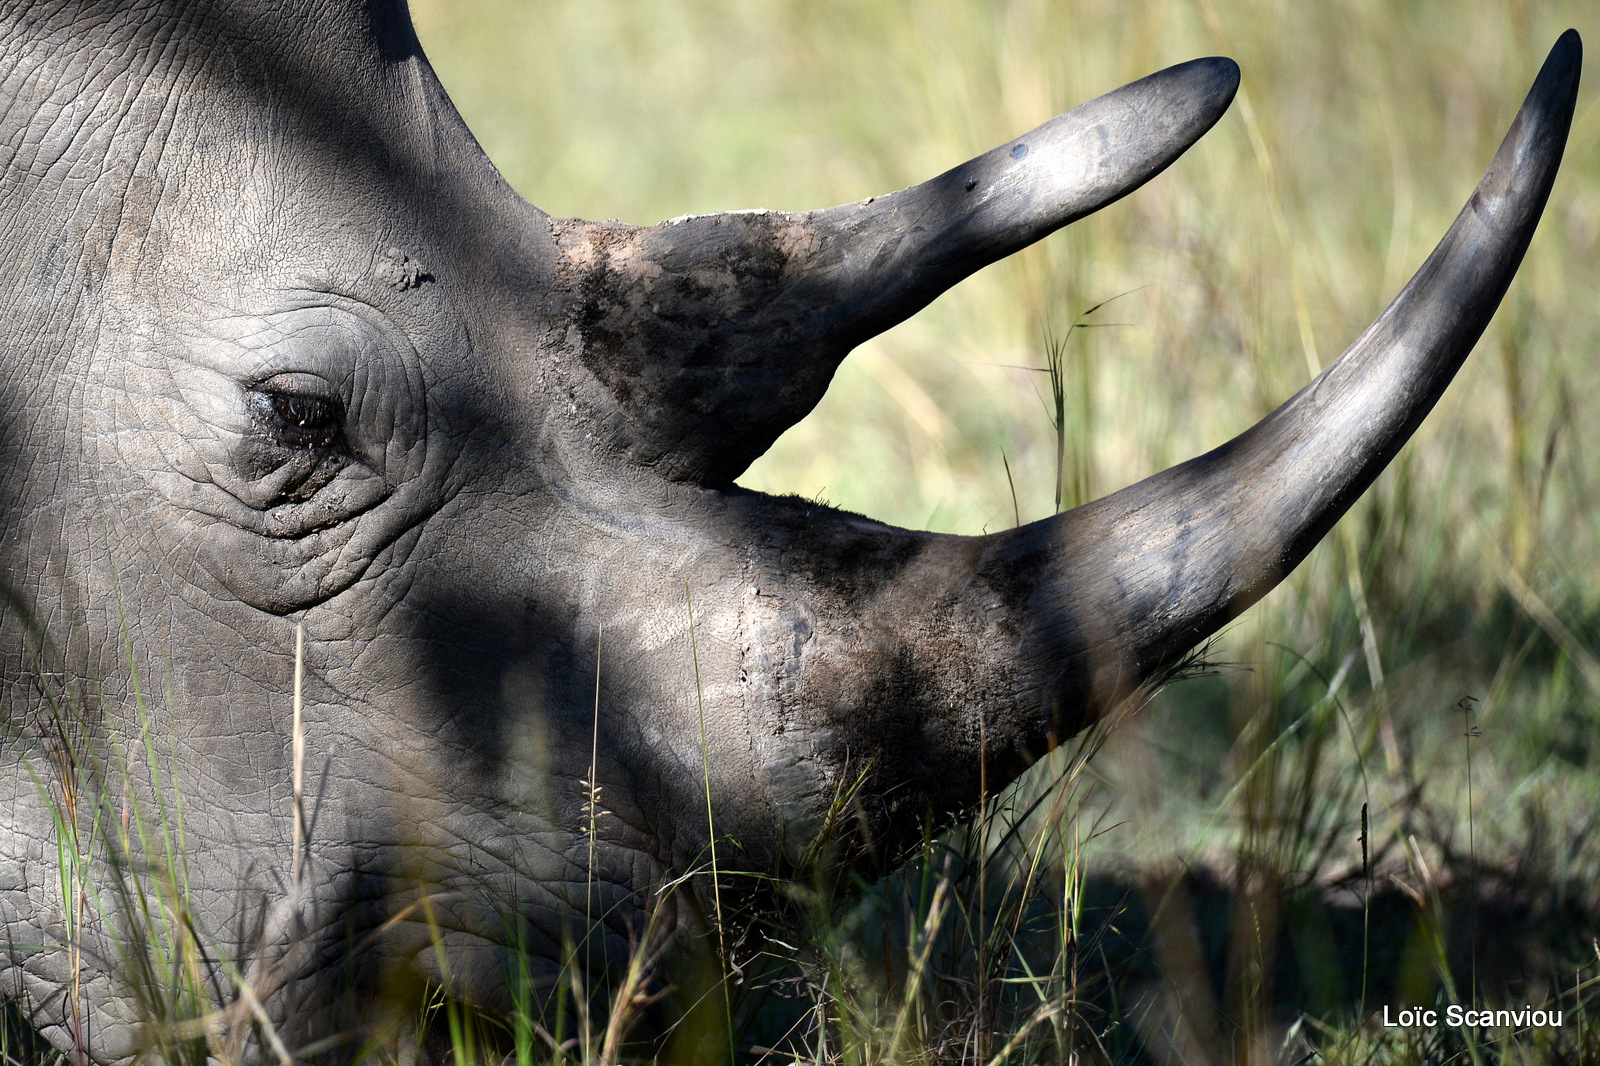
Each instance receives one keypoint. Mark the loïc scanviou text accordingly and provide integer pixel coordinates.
(1457, 1016)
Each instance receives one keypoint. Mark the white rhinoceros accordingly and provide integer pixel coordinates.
(281, 349)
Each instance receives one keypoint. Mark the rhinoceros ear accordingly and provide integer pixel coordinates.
(715, 333)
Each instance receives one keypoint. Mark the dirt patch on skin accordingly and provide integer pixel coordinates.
(398, 270)
(613, 246)
(798, 241)
(684, 326)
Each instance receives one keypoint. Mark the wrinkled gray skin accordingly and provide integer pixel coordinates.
(281, 347)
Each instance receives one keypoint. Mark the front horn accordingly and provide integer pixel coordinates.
(1135, 580)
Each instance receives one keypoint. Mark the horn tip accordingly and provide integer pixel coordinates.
(1546, 114)
(1214, 79)
(1558, 78)
(1569, 41)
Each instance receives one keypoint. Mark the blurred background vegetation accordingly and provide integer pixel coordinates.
(1468, 571)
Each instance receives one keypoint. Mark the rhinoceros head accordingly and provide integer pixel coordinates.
(281, 351)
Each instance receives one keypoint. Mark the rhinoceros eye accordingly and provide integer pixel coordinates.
(296, 416)
(303, 412)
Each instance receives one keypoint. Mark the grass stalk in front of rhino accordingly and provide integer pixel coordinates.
(711, 829)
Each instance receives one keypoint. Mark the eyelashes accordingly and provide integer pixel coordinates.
(305, 413)
(295, 416)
